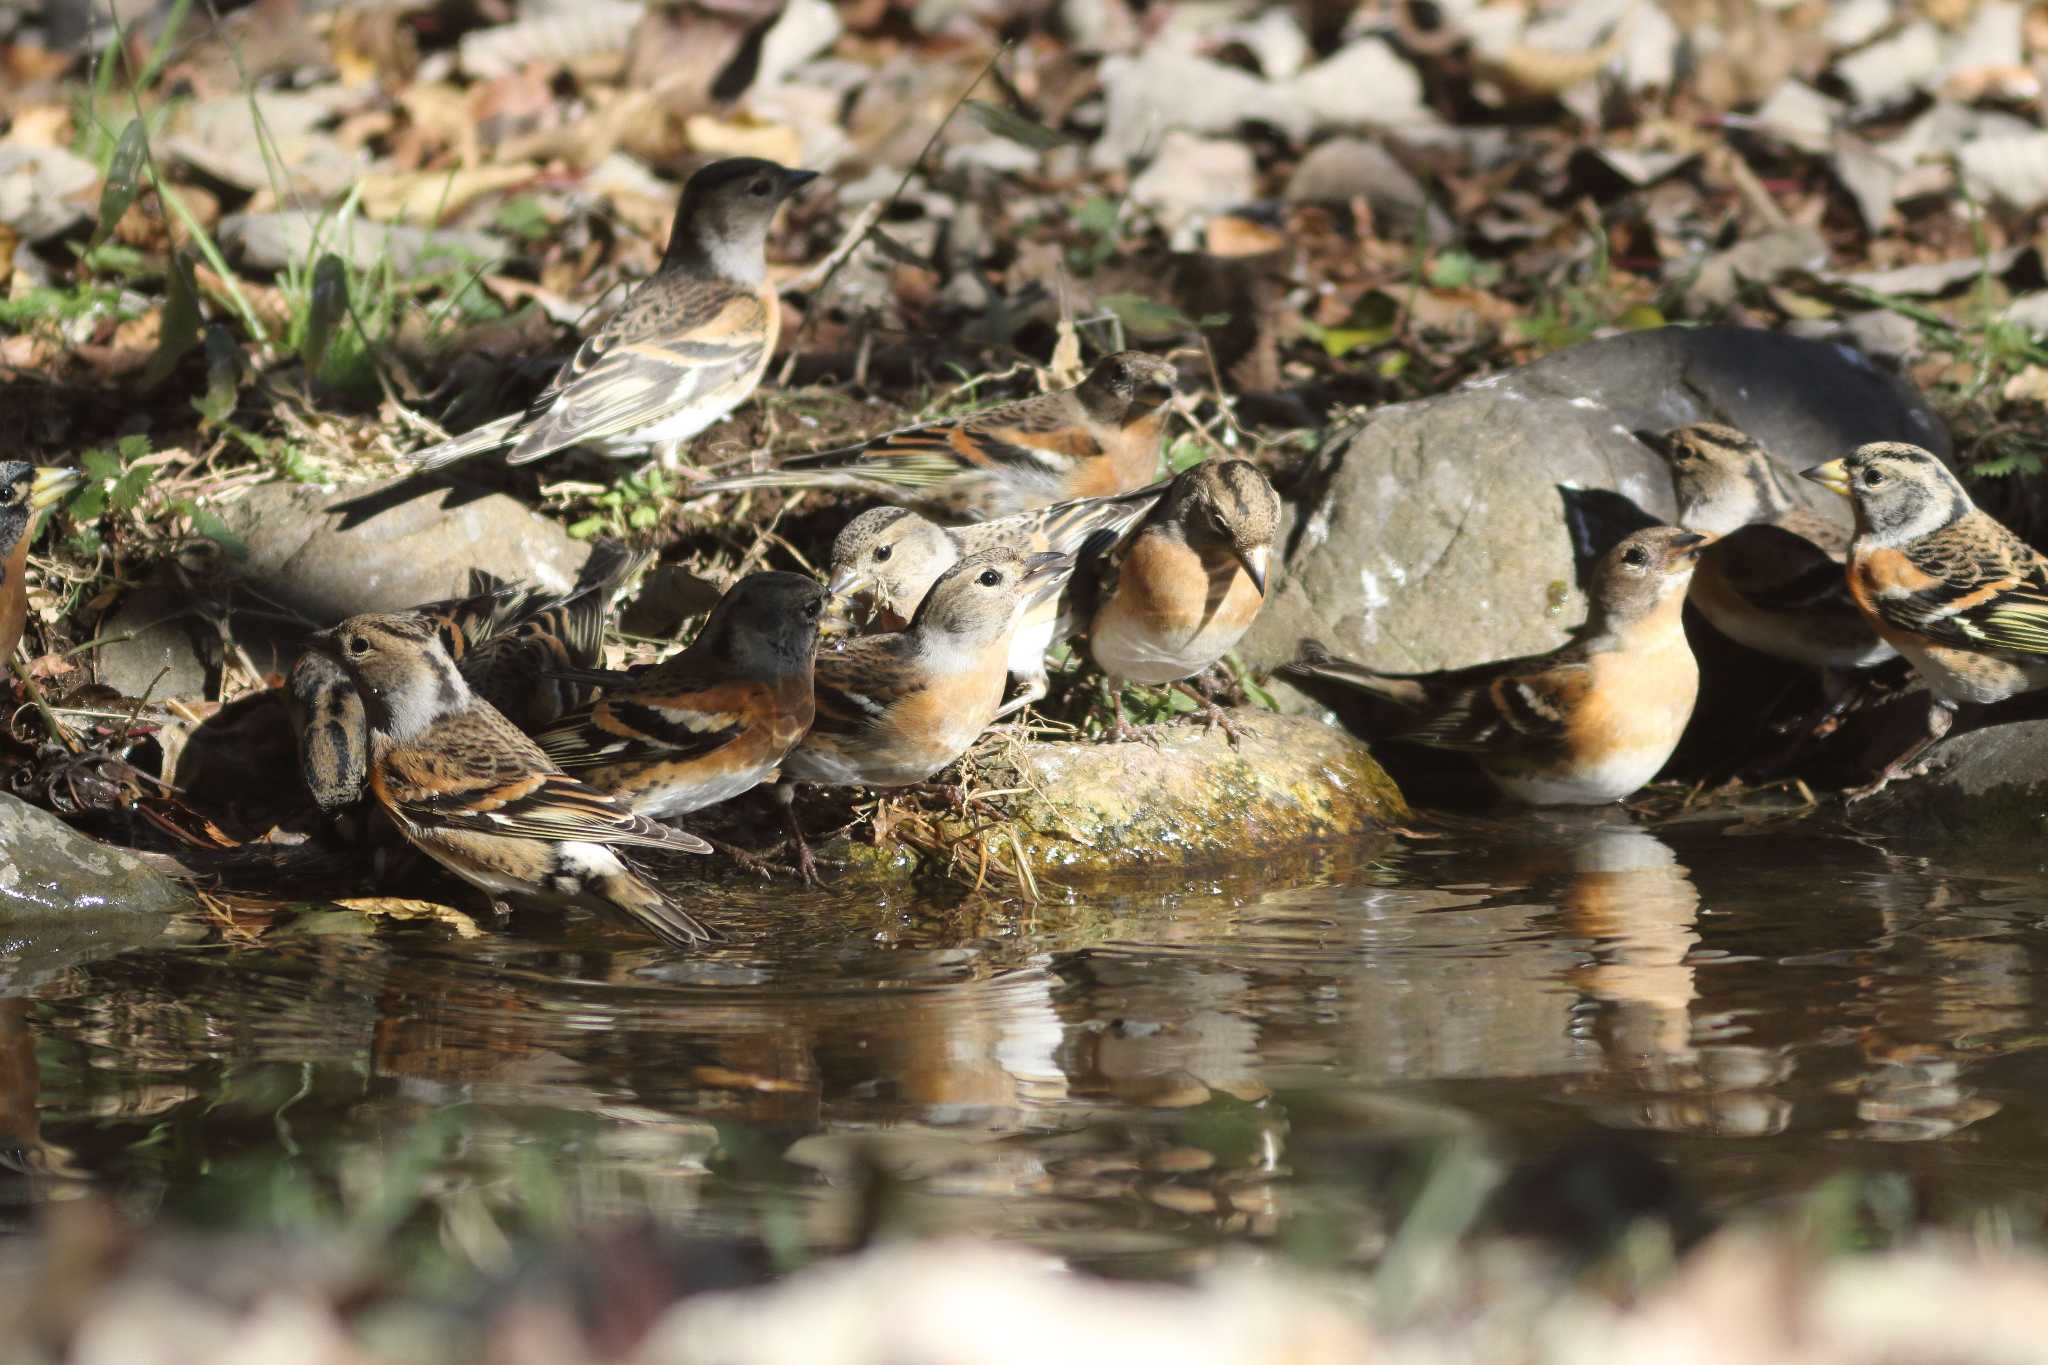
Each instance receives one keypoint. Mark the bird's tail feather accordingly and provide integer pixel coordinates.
(1313, 661)
(489, 436)
(789, 478)
(653, 909)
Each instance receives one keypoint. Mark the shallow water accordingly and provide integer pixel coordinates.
(1134, 1078)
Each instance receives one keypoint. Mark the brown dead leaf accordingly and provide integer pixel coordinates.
(427, 198)
(725, 1078)
(1229, 235)
(401, 908)
(721, 137)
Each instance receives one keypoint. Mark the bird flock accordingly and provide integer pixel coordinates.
(486, 731)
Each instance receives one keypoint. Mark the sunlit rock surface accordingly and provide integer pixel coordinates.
(1191, 797)
(1436, 534)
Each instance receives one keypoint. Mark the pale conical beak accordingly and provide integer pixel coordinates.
(1254, 561)
(52, 486)
(845, 580)
(1834, 476)
(1690, 545)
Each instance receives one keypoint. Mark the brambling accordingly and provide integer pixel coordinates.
(514, 645)
(1190, 582)
(1099, 438)
(24, 491)
(687, 346)
(1963, 598)
(711, 722)
(466, 787)
(893, 709)
(519, 647)
(1585, 724)
(892, 556)
(1772, 580)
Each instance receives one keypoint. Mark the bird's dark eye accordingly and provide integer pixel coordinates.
(8, 493)
(882, 553)
(1635, 556)
(760, 189)
(358, 646)
(1872, 477)
(990, 578)
(813, 609)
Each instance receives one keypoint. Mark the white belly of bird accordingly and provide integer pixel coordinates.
(1590, 785)
(1033, 638)
(1130, 652)
(666, 805)
(1984, 681)
(680, 426)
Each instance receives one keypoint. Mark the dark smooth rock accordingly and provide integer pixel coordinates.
(1441, 532)
(1984, 783)
(66, 899)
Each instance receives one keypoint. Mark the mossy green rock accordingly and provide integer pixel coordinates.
(1190, 797)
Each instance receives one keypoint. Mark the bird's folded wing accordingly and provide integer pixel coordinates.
(1524, 707)
(1987, 595)
(1095, 524)
(651, 724)
(466, 791)
(1776, 570)
(647, 364)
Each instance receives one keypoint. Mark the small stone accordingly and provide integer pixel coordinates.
(1365, 83)
(1182, 1198)
(153, 646)
(45, 191)
(1192, 176)
(1347, 168)
(271, 241)
(1180, 1160)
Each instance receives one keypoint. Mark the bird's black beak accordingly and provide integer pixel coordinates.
(1690, 544)
(1658, 442)
(792, 181)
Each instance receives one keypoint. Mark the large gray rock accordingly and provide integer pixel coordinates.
(331, 553)
(67, 899)
(1989, 783)
(1436, 533)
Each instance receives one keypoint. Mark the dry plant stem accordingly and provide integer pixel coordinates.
(42, 705)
